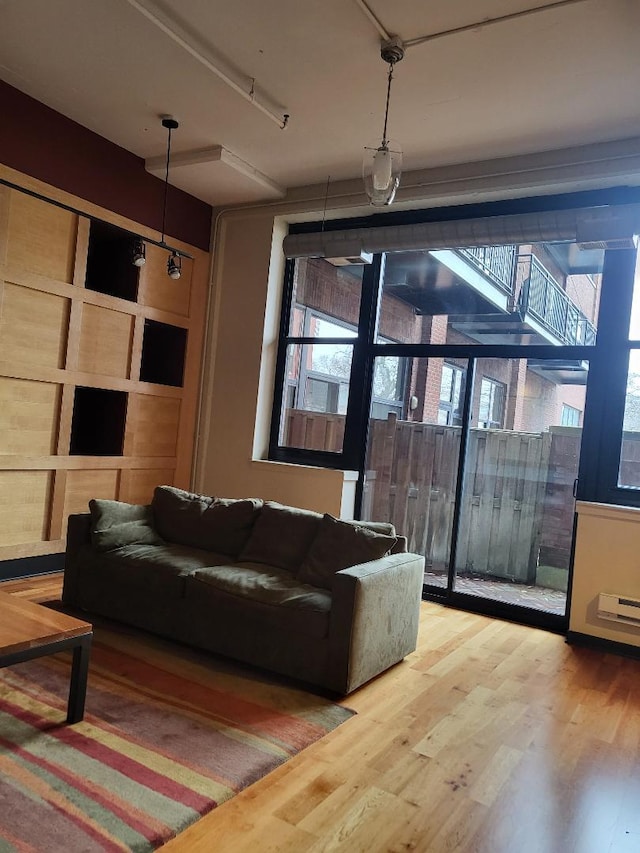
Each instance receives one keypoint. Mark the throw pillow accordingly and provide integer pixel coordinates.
(227, 524)
(115, 523)
(281, 536)
(178, 515)
(338, 545)
(213, 524)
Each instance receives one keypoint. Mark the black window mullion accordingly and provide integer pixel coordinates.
(606, 390)
(279, 395)
(357, 428)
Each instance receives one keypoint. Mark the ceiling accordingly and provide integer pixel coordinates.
(562, 77)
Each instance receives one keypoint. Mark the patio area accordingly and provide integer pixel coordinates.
(524, 595)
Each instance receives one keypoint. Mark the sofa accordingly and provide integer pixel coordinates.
(329, 602)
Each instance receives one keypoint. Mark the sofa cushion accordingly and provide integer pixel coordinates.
(267, 584)
(115, 524)
(281, 536)
(262, 596)
(214, 524)
(338, 545)
(160, 571)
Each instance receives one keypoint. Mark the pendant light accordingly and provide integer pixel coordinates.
(382, 165)
(174, 264)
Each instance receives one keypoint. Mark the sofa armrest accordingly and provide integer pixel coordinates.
(374, 618)
(78, 536)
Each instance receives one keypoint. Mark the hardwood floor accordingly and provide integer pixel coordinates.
(491, 737)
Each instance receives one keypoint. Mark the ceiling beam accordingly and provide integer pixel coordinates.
(216, 154)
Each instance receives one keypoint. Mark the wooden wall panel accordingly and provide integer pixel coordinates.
(137, 484)
(105, 342)
(29, 414)
(41, 238)
(56, 336)
(155, 430)
(157, 290)
(33, 327)
(24, 506)
(83, 485)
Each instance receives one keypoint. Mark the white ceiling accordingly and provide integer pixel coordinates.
(562, 77)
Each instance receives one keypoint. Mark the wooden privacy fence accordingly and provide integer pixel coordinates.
(517, 506)
(510, 481)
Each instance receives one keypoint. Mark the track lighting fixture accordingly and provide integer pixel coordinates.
(138, 257)
(382, 164)
(174, 266)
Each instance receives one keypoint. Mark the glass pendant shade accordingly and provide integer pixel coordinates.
(381, 171)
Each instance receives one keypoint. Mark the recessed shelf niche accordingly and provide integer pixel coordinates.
(163, 352)
(97, 427)
(110, 268)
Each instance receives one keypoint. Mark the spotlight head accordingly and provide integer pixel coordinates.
(174, 266)
(138, 257)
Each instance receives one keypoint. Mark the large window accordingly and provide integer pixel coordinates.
(390, 340)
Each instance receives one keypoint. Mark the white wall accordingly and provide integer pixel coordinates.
(607, 559)
(239, 374)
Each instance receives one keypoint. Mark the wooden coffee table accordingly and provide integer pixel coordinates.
(29, 630)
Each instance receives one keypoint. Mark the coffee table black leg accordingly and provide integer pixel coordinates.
(78, 686)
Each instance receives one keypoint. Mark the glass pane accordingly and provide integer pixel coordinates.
(412, 457)
(542, 293)
(634, 325)
(629, 474)
(326, 299)
(316, 395)
(517, 504)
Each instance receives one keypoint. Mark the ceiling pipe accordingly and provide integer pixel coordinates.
(386, 36)
(374, 20)
(236, 80)
(485, 23)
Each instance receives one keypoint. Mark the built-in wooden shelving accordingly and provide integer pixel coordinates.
(99, 366)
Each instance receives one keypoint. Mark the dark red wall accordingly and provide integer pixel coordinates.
(41, 142)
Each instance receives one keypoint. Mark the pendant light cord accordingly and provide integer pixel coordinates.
(386, 109)
(166, 184)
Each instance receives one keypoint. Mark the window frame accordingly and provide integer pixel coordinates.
(453, 414)
(603, 413)
(497, 390)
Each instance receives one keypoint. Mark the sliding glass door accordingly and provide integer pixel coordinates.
(476, 462)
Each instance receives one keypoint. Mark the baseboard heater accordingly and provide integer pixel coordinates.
(619, 609)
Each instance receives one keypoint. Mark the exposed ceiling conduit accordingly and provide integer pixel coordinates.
(463, 29)
(214, 62)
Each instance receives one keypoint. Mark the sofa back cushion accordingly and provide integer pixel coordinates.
(115, 524)
(212, 524)
(338, 545)
(281, 536)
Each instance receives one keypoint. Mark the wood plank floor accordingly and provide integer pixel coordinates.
(491, 738)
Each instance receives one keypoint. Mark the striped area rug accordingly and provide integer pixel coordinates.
(168, 735)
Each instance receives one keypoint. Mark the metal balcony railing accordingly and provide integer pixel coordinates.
(535, 291)
(541, 296)
(497, 263)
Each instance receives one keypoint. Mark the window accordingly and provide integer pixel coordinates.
(569, 416)
(364, 341)
(451, 387)
(388, 387)
(318, 359)
(491, 407)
